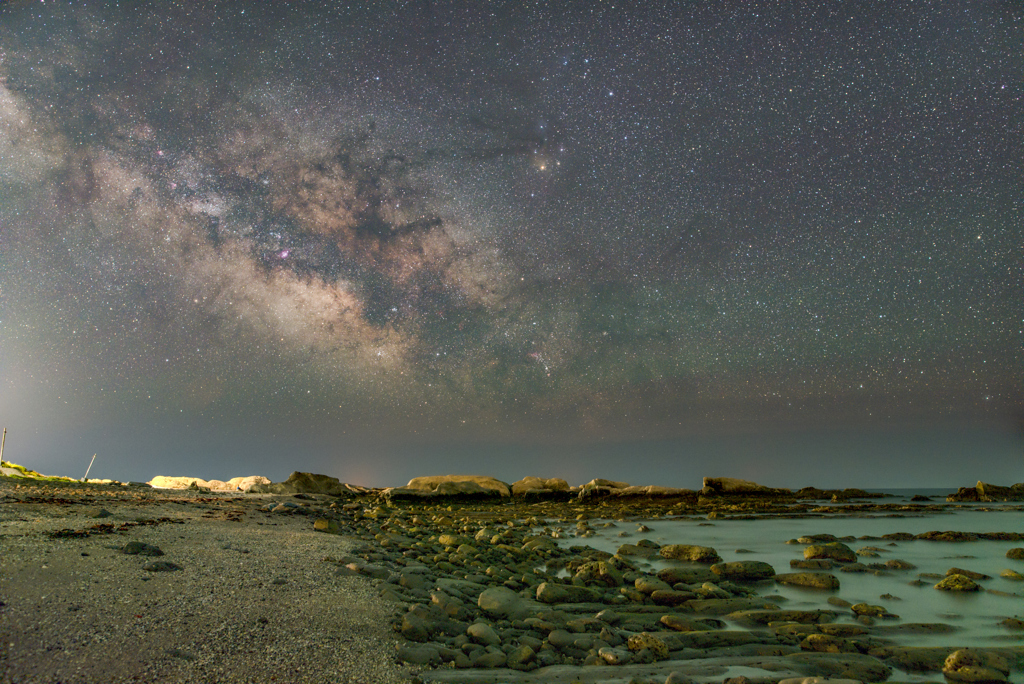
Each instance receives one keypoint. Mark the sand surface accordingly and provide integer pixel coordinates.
(254, 600)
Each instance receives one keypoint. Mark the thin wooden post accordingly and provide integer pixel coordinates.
(86, 478)
(2, 442)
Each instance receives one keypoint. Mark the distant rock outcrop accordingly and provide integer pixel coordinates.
(309, 483)
(836, 494)
(449, 487)
(235, 484)
(730, 486)
(989, 493)
(540, 489)
(600, 489)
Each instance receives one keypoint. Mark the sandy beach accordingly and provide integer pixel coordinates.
(253, 601)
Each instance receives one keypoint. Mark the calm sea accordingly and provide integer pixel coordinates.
(975, 615)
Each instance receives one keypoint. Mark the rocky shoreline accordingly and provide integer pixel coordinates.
(478, 589)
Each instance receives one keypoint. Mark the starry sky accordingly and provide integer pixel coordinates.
(781, 241)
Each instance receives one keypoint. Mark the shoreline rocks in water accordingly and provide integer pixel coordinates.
(988, 493)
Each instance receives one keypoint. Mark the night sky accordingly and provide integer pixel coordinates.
(781, 241)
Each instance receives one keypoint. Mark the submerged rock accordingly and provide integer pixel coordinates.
(813, 580)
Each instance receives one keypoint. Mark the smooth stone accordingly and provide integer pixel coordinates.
(671, 597)
(161, 566)
(491, 660)
(505, 603)
(550, 592)
(483, 633)
(648, 584)
(690, 552)
(521, 658)
(679, 623)
(327, 525)
(1012, 575)
(137, 548)
(614, 655)
(813, 580)
(677, 678)
(419, 654)
(415, 628)
(1015, 554)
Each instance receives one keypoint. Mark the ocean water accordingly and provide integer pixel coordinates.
(975, 615)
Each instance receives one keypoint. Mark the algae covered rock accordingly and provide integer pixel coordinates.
(836, 551)
(958, 583)
(650, 642)
(744, 570)
(690, 552)
(977, 667)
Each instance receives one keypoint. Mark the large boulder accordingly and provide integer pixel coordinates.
(305, 483)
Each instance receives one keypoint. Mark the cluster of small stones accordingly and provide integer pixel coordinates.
(488, 587)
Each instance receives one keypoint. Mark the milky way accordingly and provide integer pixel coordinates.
(559, 221)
